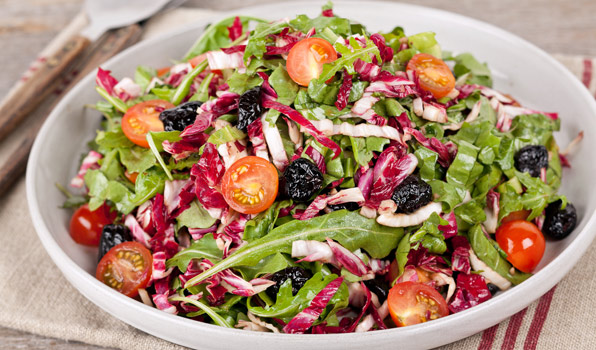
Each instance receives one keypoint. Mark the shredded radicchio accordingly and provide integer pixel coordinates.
(391, 169)
(306, 124)
(433, 144)
(235, 30)
(460, 258)
(344, 92)
(89, 162)
(305, 318)
(471, 291)
(385, 51)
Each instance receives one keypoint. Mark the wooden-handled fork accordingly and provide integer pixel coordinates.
(99, 16)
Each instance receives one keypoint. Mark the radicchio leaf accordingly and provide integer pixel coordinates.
(305, 318)
(471, 291)
(306, 124)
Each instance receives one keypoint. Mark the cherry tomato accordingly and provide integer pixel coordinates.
(126, 267)
(433, 74)
(250, 185)
(523, 242)
(142, 118)
(132, 177)
(306, 59)
(516, 215)
(86, 225)
(414, 302)
(163, 71)
(197, 59)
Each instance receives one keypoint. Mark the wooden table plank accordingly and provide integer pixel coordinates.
(27, 25)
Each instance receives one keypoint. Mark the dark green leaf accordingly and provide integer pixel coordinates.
(350, 229)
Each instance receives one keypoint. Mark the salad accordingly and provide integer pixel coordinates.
(308, 176)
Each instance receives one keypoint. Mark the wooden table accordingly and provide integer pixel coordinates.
(557, 26)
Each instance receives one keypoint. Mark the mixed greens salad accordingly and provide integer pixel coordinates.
(308, 176)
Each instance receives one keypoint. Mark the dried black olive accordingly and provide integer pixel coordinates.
(379, 287)
(530, 159)
(180, 117)
(249, 107)
(412, 194)
(493, 289)
(559, 223)
(351, 206)
(111, 236)
(296, 274)
(303, 179)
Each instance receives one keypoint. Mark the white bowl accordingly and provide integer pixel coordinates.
(519, 68)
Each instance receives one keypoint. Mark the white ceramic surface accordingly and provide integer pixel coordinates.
(519, 68)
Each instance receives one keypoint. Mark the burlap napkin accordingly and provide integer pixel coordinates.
(35, 297)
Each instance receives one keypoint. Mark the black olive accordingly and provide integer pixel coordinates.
(111, 236)
(412, 194)
(558, 223)
(249, 107)
(379, 287)
(180, 117)
(351, 206)
(303, 179)
(530, 159)
(296, 274)
(493, 289)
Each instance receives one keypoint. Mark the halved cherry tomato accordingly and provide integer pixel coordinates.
(126, 267)
(132, 177)
(142, 118)
(250, 185)
(516, 215)
(433, 74)
(414, 302)
(306, 59)
(523, 242)
(86, 225)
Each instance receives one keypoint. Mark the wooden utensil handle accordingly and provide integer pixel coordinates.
(112, 43)
(34, 84)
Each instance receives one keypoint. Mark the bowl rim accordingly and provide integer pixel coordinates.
(542, 281)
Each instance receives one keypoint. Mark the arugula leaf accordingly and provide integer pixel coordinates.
(195, 217)
(148, 184)
(350, 229)
(472, 212)
(478, 72)
(204, 248)
(285, 87)
(287, 306)
(217, 319)
(143, 76)
(348, 57)
(225, 135)
(427, 163)
(242, 82)
(401, 254)
(263, 223)
(160, 136)
(460, 171)
(486, 252)
(430, 235)
(257, 41)
(269, 264)
(363, 148)
(450, 195)
(216, 36)
(426, 43)
(136, 159)
(338, 25)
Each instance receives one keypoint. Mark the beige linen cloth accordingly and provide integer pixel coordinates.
(35, 297)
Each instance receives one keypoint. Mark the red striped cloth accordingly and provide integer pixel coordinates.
(554, 321)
